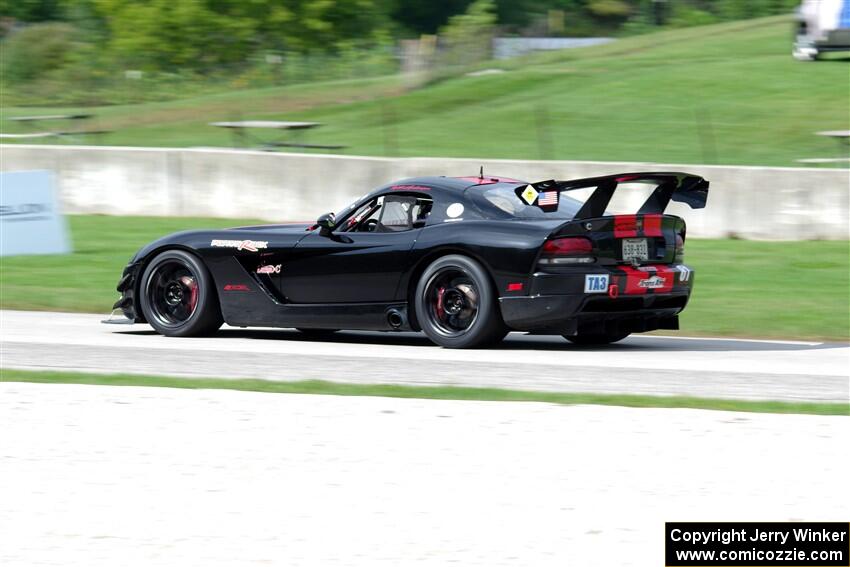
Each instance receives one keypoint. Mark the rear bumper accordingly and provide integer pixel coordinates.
(558, 304)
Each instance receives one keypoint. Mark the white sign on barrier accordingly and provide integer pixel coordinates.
(30, 218)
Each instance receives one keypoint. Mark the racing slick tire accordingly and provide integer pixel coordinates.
(177, 296)
(596, 338)
(456, 304)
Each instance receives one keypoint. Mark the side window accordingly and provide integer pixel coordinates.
(390, 213)
(365, 218)
(421, 210)
(394, 216)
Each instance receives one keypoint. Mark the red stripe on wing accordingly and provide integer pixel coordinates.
(652, 225)
(625, 226)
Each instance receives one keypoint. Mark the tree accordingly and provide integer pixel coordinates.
(35, 50)
(202, 34)
(467, 38)
(31, 10)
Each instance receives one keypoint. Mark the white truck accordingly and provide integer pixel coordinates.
(822, 26)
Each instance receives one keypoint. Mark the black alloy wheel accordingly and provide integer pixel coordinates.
(456, 305)
(178, 298)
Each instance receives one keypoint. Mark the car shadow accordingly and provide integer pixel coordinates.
(667, 343)
(520, 341)
(340, 337)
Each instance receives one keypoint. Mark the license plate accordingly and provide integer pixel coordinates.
(635, 248)
(596, 283)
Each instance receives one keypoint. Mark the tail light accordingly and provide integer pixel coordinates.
(680, 247)
(566, 251)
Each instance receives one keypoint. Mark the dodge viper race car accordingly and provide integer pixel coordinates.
(464, 259)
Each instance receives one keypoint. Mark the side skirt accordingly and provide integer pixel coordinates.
(243, 312)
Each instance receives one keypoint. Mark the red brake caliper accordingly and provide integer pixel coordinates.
(193, 291)
(439, 307)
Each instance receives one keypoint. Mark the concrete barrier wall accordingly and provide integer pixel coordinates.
(748, 202)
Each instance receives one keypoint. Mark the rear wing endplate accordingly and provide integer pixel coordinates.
(680, 187)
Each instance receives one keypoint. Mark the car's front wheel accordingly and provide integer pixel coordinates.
(456, 305)
(178, 297)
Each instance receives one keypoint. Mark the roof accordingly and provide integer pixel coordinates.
(448, 183)
(488, 180)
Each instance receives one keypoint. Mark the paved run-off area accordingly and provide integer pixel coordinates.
(102, 475)
(641, 365)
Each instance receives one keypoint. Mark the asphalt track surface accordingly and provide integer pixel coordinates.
(99, 476)
(653, 365)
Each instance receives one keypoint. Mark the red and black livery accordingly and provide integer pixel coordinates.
(464, 259)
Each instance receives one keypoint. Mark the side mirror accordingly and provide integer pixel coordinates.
(326, 224)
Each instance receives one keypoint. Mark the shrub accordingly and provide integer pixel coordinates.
(36, 50)
(685, 16)
(610, 9)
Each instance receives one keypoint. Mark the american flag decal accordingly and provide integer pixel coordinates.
(547, 198)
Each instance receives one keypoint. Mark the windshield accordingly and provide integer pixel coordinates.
(503, 202)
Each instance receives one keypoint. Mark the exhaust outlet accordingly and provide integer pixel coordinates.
(395, 318)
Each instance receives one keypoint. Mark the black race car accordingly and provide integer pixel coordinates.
(464, 259)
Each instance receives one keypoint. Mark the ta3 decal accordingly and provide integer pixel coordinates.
(596, 283)
(249, 245)
(684, 273)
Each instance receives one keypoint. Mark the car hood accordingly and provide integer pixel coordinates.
(287, 228)
(200, 239)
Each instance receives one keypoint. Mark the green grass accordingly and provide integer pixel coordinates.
(424, 392)
(85, 280)
(769, 289)
(728, 93)
(742, 288)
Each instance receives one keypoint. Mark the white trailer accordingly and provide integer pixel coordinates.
(822, 26)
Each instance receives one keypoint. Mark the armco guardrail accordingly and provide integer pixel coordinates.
(747, 202)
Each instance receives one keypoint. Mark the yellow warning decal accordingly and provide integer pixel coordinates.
(529, 194)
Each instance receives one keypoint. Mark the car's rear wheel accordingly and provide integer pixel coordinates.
(456, 305)
(596, 338)
(178, 297)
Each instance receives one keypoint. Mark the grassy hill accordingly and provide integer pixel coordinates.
(728, 93)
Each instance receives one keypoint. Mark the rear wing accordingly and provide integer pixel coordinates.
(680, 187)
